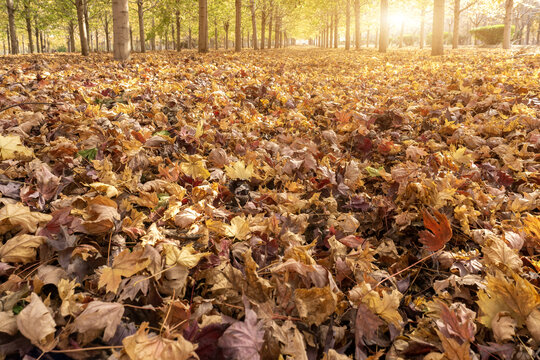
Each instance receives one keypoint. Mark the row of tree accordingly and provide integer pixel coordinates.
(272, 23)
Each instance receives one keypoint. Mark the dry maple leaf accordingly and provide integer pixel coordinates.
(21, 248)
(36, 323)
(11, 147)
(439, 232)
(126, 264)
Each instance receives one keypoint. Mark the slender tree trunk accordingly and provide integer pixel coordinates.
(190, 38)
(367, 38)
(178, 40)
(357, 24)
(42, 42)
(226, 26)
(71, 37)
(336, 28)
(437, 41)
(97, 41)
(422, 27)
(270, 19)
(383, 33)
(331, 36)
(131, 46)
(173, 37)
(238, 26)
(348, 25)
(28, 18)
(254, 25)
(87, 23)
(121, 30)
(140, 14)
(36, 31)
(82, 27)
(216, 45)
(509, 7)
(12, 29)
(528, 33)
(107, 38)
(455, 32)
(276, 30)
(153, 39)
(9, 39)
(263, 27)
(203, 26)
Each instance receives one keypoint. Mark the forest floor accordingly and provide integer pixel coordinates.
(309, 204)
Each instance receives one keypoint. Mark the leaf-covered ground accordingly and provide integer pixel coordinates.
(303, 204)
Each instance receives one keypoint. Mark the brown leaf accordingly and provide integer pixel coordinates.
(244, 339)
(21, 248)
(316, 304)
(125, 264)
(100, 315)
(454, 350)
(36, 323)
(19, 217)
(439, 232)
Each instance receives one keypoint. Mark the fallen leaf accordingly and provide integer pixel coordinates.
(439, 232)
(125, 264)
(316, 304)
(36, 323)
(21, 248)
(19, 217)
(239, 228)
(99, 315)
(11, 147)
(243, 339)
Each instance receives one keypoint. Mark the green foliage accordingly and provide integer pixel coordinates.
(490, 35)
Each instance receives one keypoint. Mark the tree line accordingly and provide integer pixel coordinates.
(258, 24)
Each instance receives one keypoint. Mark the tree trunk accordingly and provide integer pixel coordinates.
(121, 30)
(153, 39)
(357, 33)
(178, 40)
(367, 38)
(173, 37)
(509, 7)
(437, 40)
(140, 14)
(331, 36)
(82, 28)
(215, 35)
(28, 18)
(254, 25)
(71, 37)
(97, 41)
(270, 19)
(226, 26)
(238, 26)
(276, 30)
(36, 31)
(383, 33)
(422, 27)
(348, 25)
(87, 22)
(131, 46)
(12, 30)
(190, 38)
(336, 27)
(528, 33)
(106, 28)
(263, 26)
(455, 32)
(203, 26)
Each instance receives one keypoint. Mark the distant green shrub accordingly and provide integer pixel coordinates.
(61, 48)
(490, 35)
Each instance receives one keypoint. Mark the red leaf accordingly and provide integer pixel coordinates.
(439, 232)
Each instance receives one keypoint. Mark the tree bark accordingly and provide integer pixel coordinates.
(153, 39)
(455, 31)
(121, 30)
(383, 33)
(82, 27)
(71, 37)
(422, 26)
(216, 45)
(203, 26)
(254, 25)
(357, 33)
(348, 25)
(87, 23)
(336, 27)
(276, 30)
(401, 33)
(226, 26)
(178, 41)
(263, 27)
(270, 19)
(12, 29)
(36, 31)
(97, 41)
(238, 26)
(107, 38)
(140, 14)
(437, 41)
(28, 18)
(509, 7)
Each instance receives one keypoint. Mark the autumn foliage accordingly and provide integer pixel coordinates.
(289, 204)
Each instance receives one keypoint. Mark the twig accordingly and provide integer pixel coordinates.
(87, 349)
(29, 103)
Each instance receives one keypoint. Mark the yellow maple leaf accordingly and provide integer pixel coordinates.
(518, 297)
(125, 264)
(11, 147)
(187, 256)
(21, 248)
(239, 228)
(195, 167)
(239, 170)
